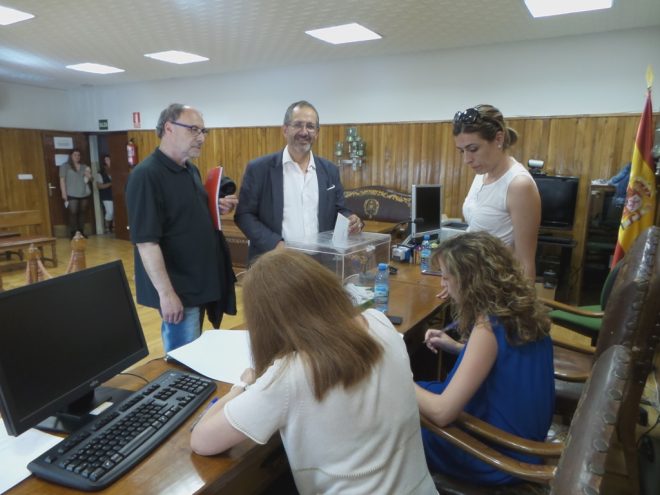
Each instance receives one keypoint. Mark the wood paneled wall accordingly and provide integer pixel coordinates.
(401, 154)
(397, 156)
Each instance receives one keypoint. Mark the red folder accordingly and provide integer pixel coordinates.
(212, 186)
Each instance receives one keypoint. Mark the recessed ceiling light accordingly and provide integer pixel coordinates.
(94, 68)
(10, 16)
(546, 8)
(346, 33)
(176, 57)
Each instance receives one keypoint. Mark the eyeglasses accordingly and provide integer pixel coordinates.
(299, 126)
(470, 116)
(194, 130)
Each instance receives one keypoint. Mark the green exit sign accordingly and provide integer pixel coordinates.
(103, 125)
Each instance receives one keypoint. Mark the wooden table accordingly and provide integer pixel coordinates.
(248, 468)
(412, 274)
(174, 469)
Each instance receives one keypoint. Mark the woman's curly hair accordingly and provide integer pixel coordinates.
(490, 282)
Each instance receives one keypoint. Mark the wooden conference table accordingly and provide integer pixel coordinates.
(248, 468)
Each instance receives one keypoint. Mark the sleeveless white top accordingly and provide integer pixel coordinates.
(484, 208)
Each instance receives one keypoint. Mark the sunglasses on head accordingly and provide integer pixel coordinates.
(468, 117)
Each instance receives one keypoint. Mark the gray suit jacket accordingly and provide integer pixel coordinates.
(261, 201)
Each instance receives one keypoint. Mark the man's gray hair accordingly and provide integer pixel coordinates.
(301, 103)
(170, 114)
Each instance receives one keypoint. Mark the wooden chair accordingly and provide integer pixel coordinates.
(583, 458)
(585, 320)
(631, 318)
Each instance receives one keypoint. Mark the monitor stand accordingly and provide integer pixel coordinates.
(79, 413)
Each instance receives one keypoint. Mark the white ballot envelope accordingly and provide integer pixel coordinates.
(340, 235)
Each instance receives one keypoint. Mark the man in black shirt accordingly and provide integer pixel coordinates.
(182, 264)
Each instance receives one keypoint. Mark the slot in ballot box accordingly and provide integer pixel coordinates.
(355, 262)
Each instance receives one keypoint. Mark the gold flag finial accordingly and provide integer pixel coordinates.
(649, 77)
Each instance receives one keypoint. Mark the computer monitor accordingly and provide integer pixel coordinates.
(558, 200)
(60, 339)
(426, 209)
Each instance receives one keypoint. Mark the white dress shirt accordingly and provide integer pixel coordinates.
(301, 199)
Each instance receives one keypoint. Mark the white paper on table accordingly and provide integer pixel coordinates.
(17, 452)
(340, 234)
(222, 355)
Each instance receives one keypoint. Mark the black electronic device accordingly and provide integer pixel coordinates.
(60, 339)
(99, 453)
(426, 210)
(558, 200)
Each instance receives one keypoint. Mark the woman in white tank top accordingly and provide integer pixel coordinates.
(503, 199)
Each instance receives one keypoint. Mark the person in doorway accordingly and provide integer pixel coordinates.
(104, 185)
(182, 264)
(292, 193)
(503, 199)
(75, 185)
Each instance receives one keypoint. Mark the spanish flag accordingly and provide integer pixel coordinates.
(639, 209)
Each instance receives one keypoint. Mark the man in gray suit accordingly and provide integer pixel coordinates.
(291, 194)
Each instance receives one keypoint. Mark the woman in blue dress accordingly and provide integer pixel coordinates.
(504, 370)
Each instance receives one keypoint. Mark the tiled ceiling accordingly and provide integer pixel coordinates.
(243, 35)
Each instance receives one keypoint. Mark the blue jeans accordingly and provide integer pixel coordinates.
(188, 329)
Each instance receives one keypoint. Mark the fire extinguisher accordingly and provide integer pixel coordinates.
(131, 150)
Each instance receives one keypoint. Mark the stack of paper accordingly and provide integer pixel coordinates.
(222, 355)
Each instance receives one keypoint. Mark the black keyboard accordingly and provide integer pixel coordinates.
(102, 451)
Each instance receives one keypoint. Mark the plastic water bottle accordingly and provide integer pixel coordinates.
(382, 288)
(425, 255)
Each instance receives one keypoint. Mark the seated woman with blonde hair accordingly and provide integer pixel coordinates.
(504, 370)
(335, 382)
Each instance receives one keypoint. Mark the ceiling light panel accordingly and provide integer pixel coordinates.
(94, 68)
(546, 8)
(10, 16)
(346, 33)
(176, 57)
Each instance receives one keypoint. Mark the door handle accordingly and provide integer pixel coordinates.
(50, 189)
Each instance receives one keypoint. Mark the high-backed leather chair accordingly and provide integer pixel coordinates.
(584, 455)
(630, 318)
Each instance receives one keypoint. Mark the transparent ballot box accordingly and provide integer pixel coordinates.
(355, 261)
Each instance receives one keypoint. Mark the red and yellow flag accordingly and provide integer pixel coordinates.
(639, 209)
